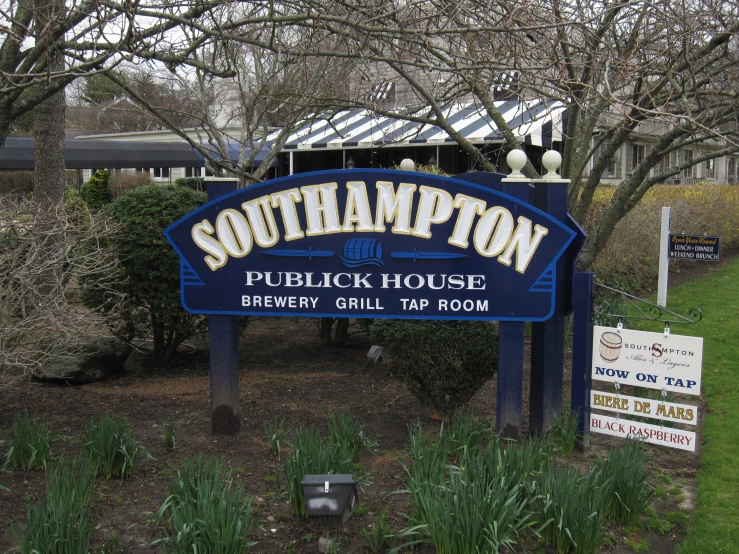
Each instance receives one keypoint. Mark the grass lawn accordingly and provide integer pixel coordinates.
(714, 526)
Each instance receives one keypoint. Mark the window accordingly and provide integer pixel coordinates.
(668, 162)
(192, 172)
(635, 154)
(687, 156)
(160, 173)
(731, 171)
(709, 169)
(613, 167)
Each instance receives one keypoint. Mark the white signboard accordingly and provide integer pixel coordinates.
(645, 407)
(654, 434)
(644, 359)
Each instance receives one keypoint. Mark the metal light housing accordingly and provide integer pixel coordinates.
(330, 498)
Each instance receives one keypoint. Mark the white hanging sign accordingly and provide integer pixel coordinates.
(644, 359)
(645, 407)
(653, 434)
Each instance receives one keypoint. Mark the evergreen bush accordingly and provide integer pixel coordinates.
(95, 191)
(16, 182)
(442, 363)
(194, 183)
(146, 303)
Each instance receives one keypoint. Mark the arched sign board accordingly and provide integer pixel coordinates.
(370, 243)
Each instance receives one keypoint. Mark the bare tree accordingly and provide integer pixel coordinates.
(623, 71)
(87, 34)
(49, 115)
(244, 91)
(45, 250)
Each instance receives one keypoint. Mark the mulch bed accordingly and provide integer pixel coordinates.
(286, 374)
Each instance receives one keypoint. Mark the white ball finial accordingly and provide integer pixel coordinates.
(551, 161)
(516, 161)
(408, 165)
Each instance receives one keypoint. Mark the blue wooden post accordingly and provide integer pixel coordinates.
(509, 405)
(582, 352)
(224, 353)
(548, 337)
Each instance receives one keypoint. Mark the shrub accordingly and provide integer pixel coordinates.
(44, 252)
(16, 182)
(194, 183)
(442, 363)
(110, 446)
(626, 469)
(312, 455)
(60, 523)
(205, 511)
(96, 191)
(696, 209)
(150, 305)
(31, 442)
(134, 179)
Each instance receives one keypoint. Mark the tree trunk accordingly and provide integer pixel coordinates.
(342, 330)
(157, 330)
(49, 118)
(325, 332)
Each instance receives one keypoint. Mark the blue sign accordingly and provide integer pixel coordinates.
(370, 243)
(695, 247)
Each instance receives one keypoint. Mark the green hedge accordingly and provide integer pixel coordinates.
(96, 191)
(146, 302)
(194, 183)
(442, 363)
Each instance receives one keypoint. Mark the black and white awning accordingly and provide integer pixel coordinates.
(537, 122)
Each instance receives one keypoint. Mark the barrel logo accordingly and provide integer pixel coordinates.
(610, 346)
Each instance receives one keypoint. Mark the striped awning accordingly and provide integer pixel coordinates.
(537, 122)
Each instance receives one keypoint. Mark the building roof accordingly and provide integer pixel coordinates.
(17, 153)
(537, 122)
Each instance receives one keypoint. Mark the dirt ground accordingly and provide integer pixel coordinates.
(286, 374)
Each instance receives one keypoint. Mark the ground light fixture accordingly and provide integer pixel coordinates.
(330, 499)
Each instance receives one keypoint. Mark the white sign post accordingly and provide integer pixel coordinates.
(664, 247)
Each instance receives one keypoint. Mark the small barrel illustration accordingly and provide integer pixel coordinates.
(359, 252)
(610, 346)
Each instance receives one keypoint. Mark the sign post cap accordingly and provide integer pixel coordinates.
(407, 165)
